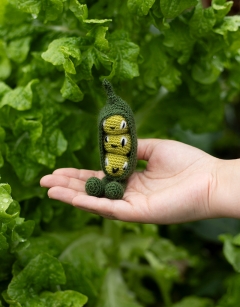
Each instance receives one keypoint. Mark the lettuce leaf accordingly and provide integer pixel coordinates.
(125, 55)
(62, 51)
(51, 9)
(115, 293)
(231, 249)
(14, 231)
(42, 272)
(19, 98)
(140, 7)
(173, 8)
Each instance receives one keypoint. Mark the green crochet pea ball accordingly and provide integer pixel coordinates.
(94, 187)
(114, 190)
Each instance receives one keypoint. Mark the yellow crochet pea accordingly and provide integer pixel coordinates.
(115, 165)
(119, 144)
(115, 124)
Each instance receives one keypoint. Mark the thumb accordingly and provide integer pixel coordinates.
(146, 147)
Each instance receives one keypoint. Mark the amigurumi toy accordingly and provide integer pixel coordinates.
(118, 147)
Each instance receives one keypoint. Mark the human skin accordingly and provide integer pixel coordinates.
(180, 184)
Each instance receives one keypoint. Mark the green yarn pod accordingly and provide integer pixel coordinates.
(117, 106)
(118, 157)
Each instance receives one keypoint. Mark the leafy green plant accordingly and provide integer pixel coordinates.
(178, 66)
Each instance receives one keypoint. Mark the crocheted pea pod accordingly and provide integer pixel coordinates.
(117, 144)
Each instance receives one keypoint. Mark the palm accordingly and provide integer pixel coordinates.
(173, 188)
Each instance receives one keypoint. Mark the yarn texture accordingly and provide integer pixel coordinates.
(117, 145)
(114, 190)
(94, 187)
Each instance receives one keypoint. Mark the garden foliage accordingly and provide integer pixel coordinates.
(178, 66)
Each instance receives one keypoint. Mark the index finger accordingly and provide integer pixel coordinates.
(82, 174)
(146, 147)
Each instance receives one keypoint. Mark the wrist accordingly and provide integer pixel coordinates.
(224, 196)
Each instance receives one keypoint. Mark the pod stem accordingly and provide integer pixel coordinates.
(112, 98)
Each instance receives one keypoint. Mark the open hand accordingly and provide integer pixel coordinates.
(175, 187)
